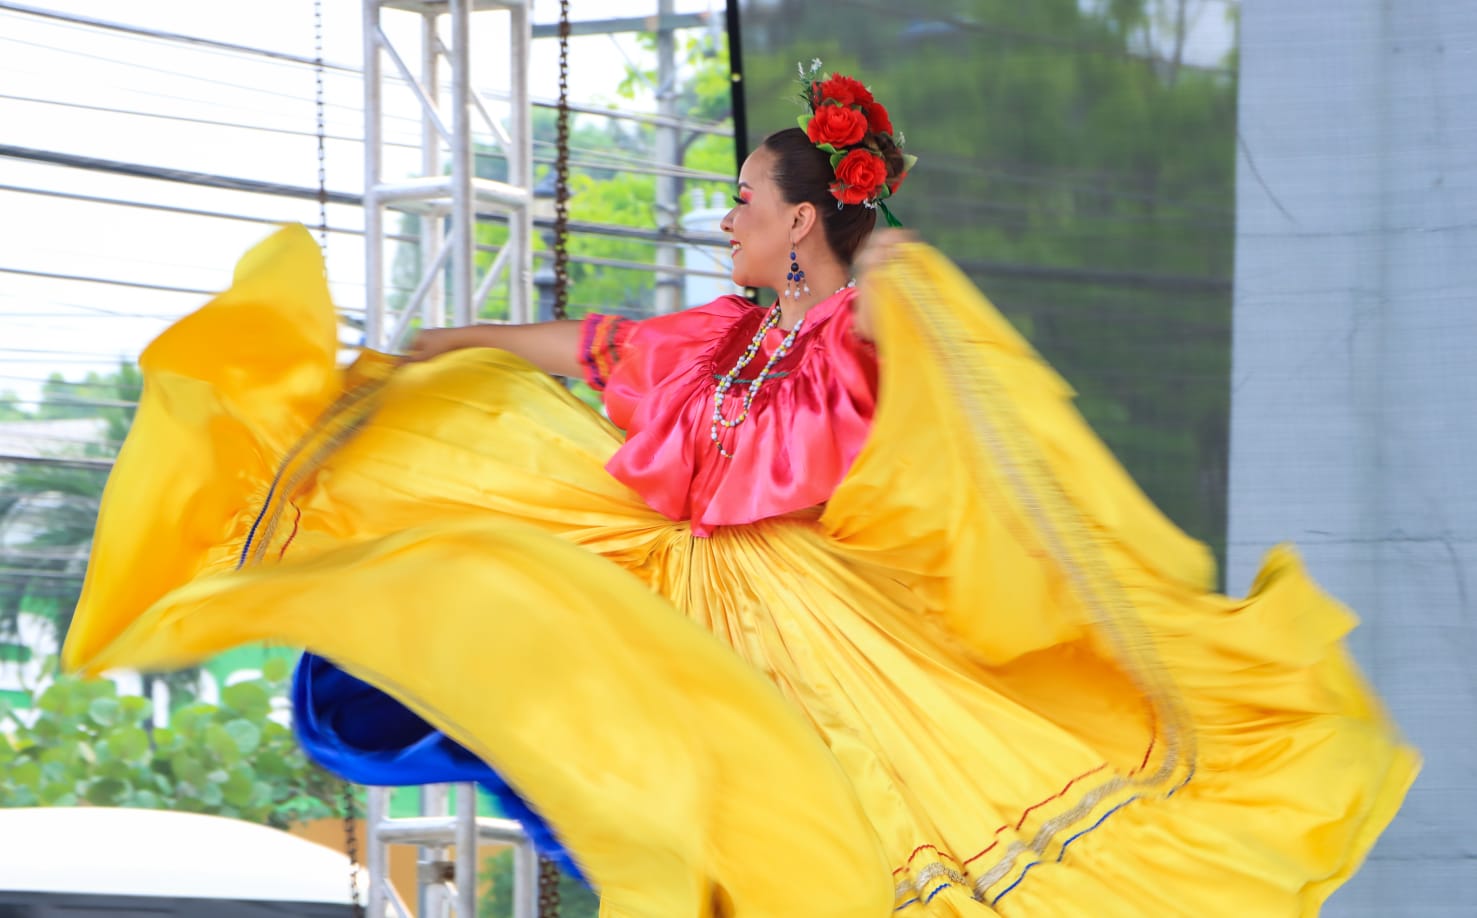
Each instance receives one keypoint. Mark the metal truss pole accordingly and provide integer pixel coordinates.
(463, 215)
(668, 152)
(433, 307)
(447, 197)
(452, 884)
(374, 216)
(519, 148)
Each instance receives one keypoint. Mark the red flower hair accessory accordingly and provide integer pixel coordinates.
(845, 121)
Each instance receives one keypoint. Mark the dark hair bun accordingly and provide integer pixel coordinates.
(803, 173)
(891, 154)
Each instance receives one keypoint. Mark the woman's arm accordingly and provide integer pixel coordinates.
(553, 347)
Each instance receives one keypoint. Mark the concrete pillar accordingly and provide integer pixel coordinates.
(1354, 378)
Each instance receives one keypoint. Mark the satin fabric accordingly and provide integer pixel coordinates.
(804, 429)
(364, 735)
(986, 677)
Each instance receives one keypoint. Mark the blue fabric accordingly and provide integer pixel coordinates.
(363, 735)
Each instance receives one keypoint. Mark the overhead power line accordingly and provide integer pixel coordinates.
(186, 211)
(162, 34)
(200, 179)
(674, 21)
(55, 275)
(1001, 269)
(52, 382)
(255, 186)
(605, 159)
(103, 464)
(695, 125)
(66, 401)
(233, 85)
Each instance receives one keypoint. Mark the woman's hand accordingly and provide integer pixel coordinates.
(880, 245)
(433, 342)
(875, 252)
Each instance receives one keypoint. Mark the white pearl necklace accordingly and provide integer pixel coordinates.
(726, 381)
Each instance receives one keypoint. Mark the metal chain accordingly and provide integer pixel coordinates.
(548, 888)
(548, 871)
(351, 847)
(561, 173)
(351, 815)
(322, 132)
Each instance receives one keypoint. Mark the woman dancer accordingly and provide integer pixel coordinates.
(843, 612)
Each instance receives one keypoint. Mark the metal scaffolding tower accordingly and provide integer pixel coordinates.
(445, 886)
(447, 203)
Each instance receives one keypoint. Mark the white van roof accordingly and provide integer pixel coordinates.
(132, 852)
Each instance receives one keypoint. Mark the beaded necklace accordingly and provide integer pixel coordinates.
(726, 381)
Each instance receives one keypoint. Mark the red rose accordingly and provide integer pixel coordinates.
(877, 119)
(837, 126)
(858, 176)
(842, 89)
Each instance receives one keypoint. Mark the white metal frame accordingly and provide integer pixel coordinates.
(443, 891)
(448, 113)
(448, 116)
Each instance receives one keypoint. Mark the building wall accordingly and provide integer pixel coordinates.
(1354, 406)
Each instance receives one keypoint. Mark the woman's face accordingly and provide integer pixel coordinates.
(759, 226)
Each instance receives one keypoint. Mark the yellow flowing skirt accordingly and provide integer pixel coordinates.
(988, 677)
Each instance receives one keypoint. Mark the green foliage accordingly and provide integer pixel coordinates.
(624, 200)
(48, 512)
(10, 407)
(703, 87)
(495, 898)
(110, 396)
(90, 746)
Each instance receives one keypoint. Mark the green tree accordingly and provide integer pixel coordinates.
(47, 514)
(87, 745)
(111, 396)
(1083, 174)
(48, 511)
(601, 192)
(10, 407)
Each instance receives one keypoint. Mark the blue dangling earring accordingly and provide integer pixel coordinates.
(795, 280)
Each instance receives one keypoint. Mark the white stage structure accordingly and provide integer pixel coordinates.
(447, 205)
(448, 114)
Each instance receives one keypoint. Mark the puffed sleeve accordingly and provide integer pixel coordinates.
(602, 343)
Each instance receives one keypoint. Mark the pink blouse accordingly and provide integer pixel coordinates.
(806, 427)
